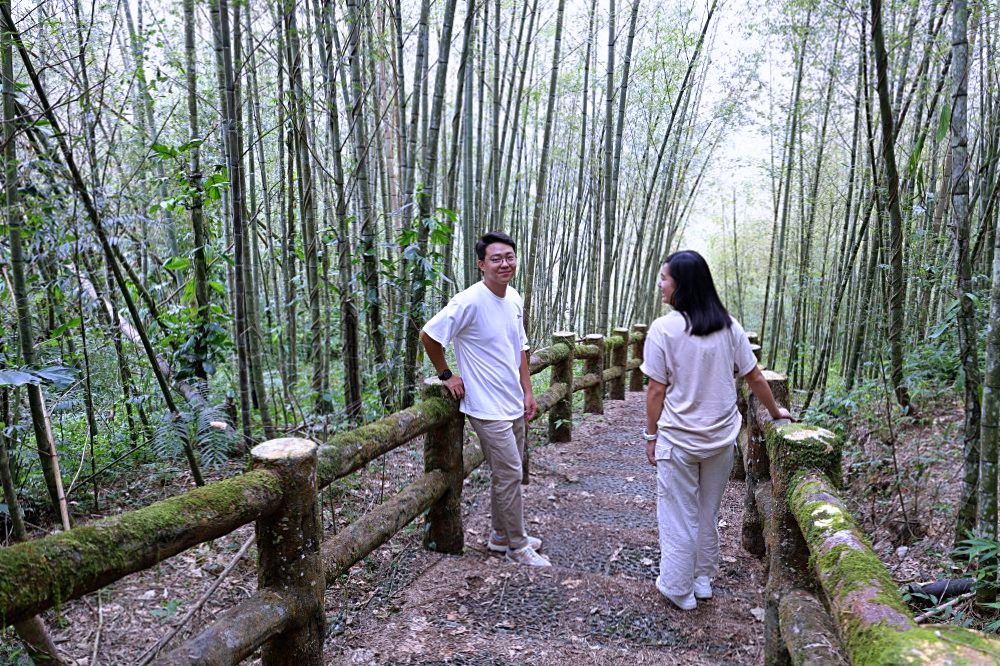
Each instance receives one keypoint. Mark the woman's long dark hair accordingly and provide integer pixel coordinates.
(694, 294)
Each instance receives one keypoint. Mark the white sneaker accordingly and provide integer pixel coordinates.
(686, 602)
(528, 556)
(500, 543)
(702, 587)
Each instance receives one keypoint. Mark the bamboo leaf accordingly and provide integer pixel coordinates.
(944, 123)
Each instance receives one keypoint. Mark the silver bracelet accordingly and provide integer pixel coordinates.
(648, 437)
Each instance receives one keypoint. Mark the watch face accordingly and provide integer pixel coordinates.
(444, 376)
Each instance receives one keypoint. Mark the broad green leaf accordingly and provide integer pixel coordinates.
(59, 375)
(163, 150)
(450, 214)
(17, 378)
(72, 323)
(177, 263)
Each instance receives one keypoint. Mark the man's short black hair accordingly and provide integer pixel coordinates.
(490, 238)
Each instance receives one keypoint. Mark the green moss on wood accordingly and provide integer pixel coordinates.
(614, 342)
(875, 623)
(36, 575)
(353, 449)
(546, 356)
(796, 447)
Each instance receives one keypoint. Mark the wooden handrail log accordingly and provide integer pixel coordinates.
(546, 356)
(634, 363)
(581, 382)
(586, 351)
(549, 397)
(39, 574)
(364, 535)
(471, 459)
(808, 631)
(349, 451)
(237, 632)
(874, 622)
(613, 373)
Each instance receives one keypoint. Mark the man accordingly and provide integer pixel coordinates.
(486, 324)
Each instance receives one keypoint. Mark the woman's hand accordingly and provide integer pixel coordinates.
(651, 453)
(783, 414)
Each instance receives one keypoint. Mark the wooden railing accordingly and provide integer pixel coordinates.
(285, 615)
(828, 598)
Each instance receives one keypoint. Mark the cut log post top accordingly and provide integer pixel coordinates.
(793, 448)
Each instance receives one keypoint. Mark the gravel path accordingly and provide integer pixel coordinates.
(592, 500)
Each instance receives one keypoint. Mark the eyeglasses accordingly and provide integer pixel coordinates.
(499, 260)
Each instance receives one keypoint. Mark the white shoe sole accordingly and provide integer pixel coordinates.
(534, 542)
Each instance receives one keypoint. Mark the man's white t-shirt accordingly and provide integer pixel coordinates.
(488, 334)
(699, 407)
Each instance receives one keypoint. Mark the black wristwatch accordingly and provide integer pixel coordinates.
(445, 375)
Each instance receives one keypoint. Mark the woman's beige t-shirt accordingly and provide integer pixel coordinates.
(699, 407)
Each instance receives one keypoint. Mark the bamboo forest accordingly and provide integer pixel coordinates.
(226, 222)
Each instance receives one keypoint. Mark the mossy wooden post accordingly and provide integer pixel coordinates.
(792, 449)
(288, 546)
(636, 381)
(757, 464)
(593, 397)
(561, 414)
(739, 472)
(443, 450)
(619, 359)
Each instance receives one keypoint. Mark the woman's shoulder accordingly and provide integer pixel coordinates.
(669, 324)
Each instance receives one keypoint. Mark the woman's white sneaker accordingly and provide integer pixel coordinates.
(686, 602)
(702, 587)
(499, 543)
(528, 556)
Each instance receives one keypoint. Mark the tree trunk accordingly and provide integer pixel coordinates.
(543, 169)
(897, 284)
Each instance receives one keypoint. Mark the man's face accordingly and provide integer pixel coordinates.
(500, 263)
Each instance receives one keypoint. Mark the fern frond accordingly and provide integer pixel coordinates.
(170, 436)
(214, 438)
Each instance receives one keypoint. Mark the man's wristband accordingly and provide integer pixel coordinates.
(648, 437)
(445, 375)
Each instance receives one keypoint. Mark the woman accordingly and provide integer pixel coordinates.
(691, 357)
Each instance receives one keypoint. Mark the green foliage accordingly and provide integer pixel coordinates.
(985, 553)
(11, 651)
(200, 425)
(56, 375)
(166, 610)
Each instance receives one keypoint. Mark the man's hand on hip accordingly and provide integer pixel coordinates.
(455, 386)
(530, 406)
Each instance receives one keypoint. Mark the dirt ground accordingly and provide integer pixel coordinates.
(593, 502)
